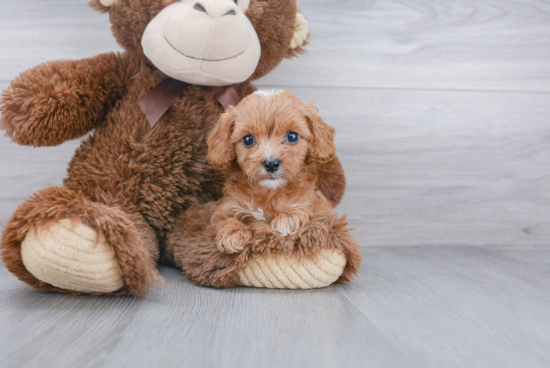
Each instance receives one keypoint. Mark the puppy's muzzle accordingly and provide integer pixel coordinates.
(271, 165)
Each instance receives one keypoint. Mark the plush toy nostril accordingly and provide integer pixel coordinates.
(214, 9)
(272, 164)
(200, 7)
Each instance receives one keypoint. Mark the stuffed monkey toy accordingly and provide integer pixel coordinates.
(149, 110)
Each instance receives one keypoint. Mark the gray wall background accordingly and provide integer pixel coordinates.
(442, 110)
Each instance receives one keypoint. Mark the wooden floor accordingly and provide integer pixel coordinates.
(443, 116)
(411, 307)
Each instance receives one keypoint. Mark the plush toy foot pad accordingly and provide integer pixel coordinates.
(282, 272)
(69, 255)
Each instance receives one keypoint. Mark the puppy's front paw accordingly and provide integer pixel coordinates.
(289, 223)
(233, 237)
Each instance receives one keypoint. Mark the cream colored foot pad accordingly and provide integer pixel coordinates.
(280, 272)
(69, 256)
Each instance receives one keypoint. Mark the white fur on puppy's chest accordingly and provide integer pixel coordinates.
(272, 183)
(258, 213)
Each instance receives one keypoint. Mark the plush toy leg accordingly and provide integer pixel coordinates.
(59, 240)
(322, 253)
(70, 255)
(278, 271)
(193, 248)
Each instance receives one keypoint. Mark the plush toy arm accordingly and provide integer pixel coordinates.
(332, 181)
(63, 100)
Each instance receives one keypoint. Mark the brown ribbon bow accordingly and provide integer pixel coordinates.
(159, 100)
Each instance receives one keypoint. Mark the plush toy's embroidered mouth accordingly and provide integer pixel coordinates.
(196, 58)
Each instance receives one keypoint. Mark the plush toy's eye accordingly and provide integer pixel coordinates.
(292, 137)
(235, 1)
(248, 141)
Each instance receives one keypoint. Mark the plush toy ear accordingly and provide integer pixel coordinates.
(321, 147)
(221, 151)
(300, 36)
(301, 31)
(102, 5)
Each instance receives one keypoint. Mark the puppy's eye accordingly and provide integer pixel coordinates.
(248, 141)
(292, 137)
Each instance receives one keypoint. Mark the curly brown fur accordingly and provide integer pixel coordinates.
(192, 246)
(148, 174)
(63, 100)
(332, 181)
(255, 218)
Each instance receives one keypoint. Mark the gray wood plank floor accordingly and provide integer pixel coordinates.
(411, 307)
(442, 111)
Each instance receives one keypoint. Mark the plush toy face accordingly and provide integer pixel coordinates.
(208, 42)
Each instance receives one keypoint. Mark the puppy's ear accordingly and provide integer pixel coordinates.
(321, 148)
(221, 150)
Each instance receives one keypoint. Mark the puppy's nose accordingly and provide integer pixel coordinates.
(271, 165)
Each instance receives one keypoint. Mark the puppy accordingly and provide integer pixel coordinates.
(271, 145)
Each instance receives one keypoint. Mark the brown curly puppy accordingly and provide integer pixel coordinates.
(272, 146)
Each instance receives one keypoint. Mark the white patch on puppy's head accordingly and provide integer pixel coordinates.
(268, 92)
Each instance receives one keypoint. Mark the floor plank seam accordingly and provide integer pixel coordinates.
(367, 88)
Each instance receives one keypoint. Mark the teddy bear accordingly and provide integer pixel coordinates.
(147, 112)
